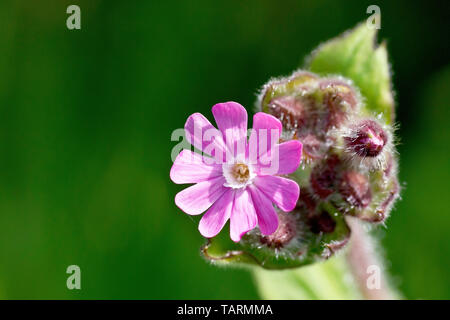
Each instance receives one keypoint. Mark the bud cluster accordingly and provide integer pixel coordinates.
(348, 163)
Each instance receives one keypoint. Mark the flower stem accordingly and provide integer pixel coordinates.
(366, 265)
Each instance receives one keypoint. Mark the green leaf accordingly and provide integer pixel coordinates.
(309, 245)
(356, 56)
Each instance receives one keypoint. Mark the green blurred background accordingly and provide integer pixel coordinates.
(86, 118)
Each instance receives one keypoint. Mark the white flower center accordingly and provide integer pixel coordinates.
(237, 175)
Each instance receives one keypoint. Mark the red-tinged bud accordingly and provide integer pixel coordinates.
(289, 110)
(340, 100)
(287, 230)
(367, 139)
(322, 222)
(313, 147)
(323, 177)
(306, 202)
(355, 189)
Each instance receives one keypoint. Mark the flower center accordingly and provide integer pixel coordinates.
(237, 175)
(240, 172)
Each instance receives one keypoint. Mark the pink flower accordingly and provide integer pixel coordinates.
(239, 179)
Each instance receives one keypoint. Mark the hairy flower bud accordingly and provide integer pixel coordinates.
(313, 147)
(323, 177)
(322, 222)
(307, 203)
(340, 99)
(355, 189)
(289, 110)
(285, 232)
(366, 139)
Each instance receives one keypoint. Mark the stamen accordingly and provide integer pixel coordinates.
(240, 172)
(237, 175)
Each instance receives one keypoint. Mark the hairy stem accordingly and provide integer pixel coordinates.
(366, 265)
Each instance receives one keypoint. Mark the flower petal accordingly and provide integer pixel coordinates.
(190, 167)
(204, 136)
(267, 216)
(283, 192)
(198, 198)
(243, 218)
(289, 156)
(216, 217)
(285, 159)
(265, 134)
(231, 119)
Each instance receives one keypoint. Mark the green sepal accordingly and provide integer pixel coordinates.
(307, 247)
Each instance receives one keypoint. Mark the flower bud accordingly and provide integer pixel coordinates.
(322, 222)
(306, 202)
(313, 147)
(340, 99)
(296, 85)
(367, 139)
(287, 230)
(289, 110)
(355, 189)
(323, 177)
